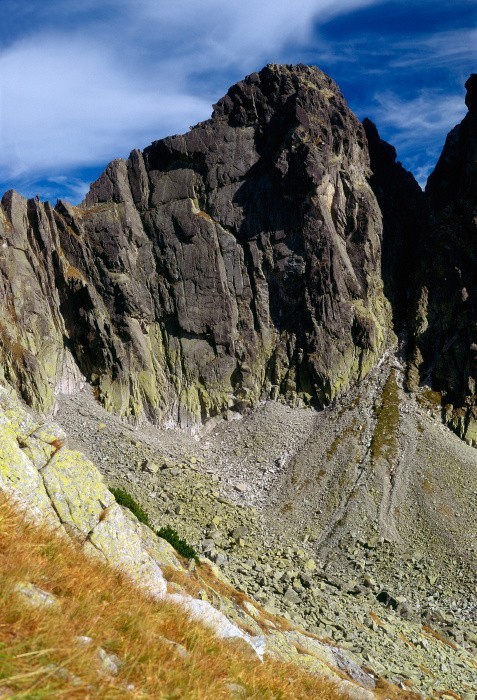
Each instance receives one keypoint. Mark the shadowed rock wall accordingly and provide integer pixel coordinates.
(405, 225)
(34, 354)
(446, 319)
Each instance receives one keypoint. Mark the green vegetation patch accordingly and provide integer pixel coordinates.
(428, 398)
(181, 546)
(384, 442)
(125, 499)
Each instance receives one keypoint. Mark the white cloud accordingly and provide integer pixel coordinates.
(417, 126)
(65, 103)
(90, 82)
(430, 110)
(76, 187)
(241, 34)
(441, 49)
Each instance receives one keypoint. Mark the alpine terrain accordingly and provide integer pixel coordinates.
(261, 337)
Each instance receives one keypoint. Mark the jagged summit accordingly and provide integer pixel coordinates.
(236, 262)
(276, 88)
(471, 96)
(239, 261)
(384, 153)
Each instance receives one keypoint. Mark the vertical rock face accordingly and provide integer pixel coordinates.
(238, 261)
(447, 313)
(34, 356)
(405, 223)
(242, 260)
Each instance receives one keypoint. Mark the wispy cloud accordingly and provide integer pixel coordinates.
(74, 185)
(417, 126)
(242, 33)
(66, 102)
(82, 83)
(430, 111)
(70, 186)
(440, 49)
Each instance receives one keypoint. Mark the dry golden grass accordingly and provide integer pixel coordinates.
(429, 632)
(203, 579)
(376, 619)
(57, 444)
(449, 693)
(72, 273)
(40, 655)
(388, 691)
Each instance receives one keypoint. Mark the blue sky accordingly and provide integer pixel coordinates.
(84, 82)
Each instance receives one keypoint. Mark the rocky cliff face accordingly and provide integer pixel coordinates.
(34, 354)
(243, 261)
(445, 323)
(238, 261)
(405, 223)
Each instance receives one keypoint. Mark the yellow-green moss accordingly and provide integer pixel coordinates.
(430, 398)
(384, 441)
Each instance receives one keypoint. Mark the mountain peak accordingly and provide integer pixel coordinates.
(275, 87)
(471, 96)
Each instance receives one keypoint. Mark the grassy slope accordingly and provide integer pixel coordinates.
(39, 655)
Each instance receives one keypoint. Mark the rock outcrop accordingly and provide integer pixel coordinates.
(446, 318)
(34, 354)
(60, 488)
(236, 262)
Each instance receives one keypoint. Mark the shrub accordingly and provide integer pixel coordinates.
(125, 499)
(181, 546)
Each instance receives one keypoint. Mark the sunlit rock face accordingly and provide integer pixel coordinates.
(34, 354)
(239, 261)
